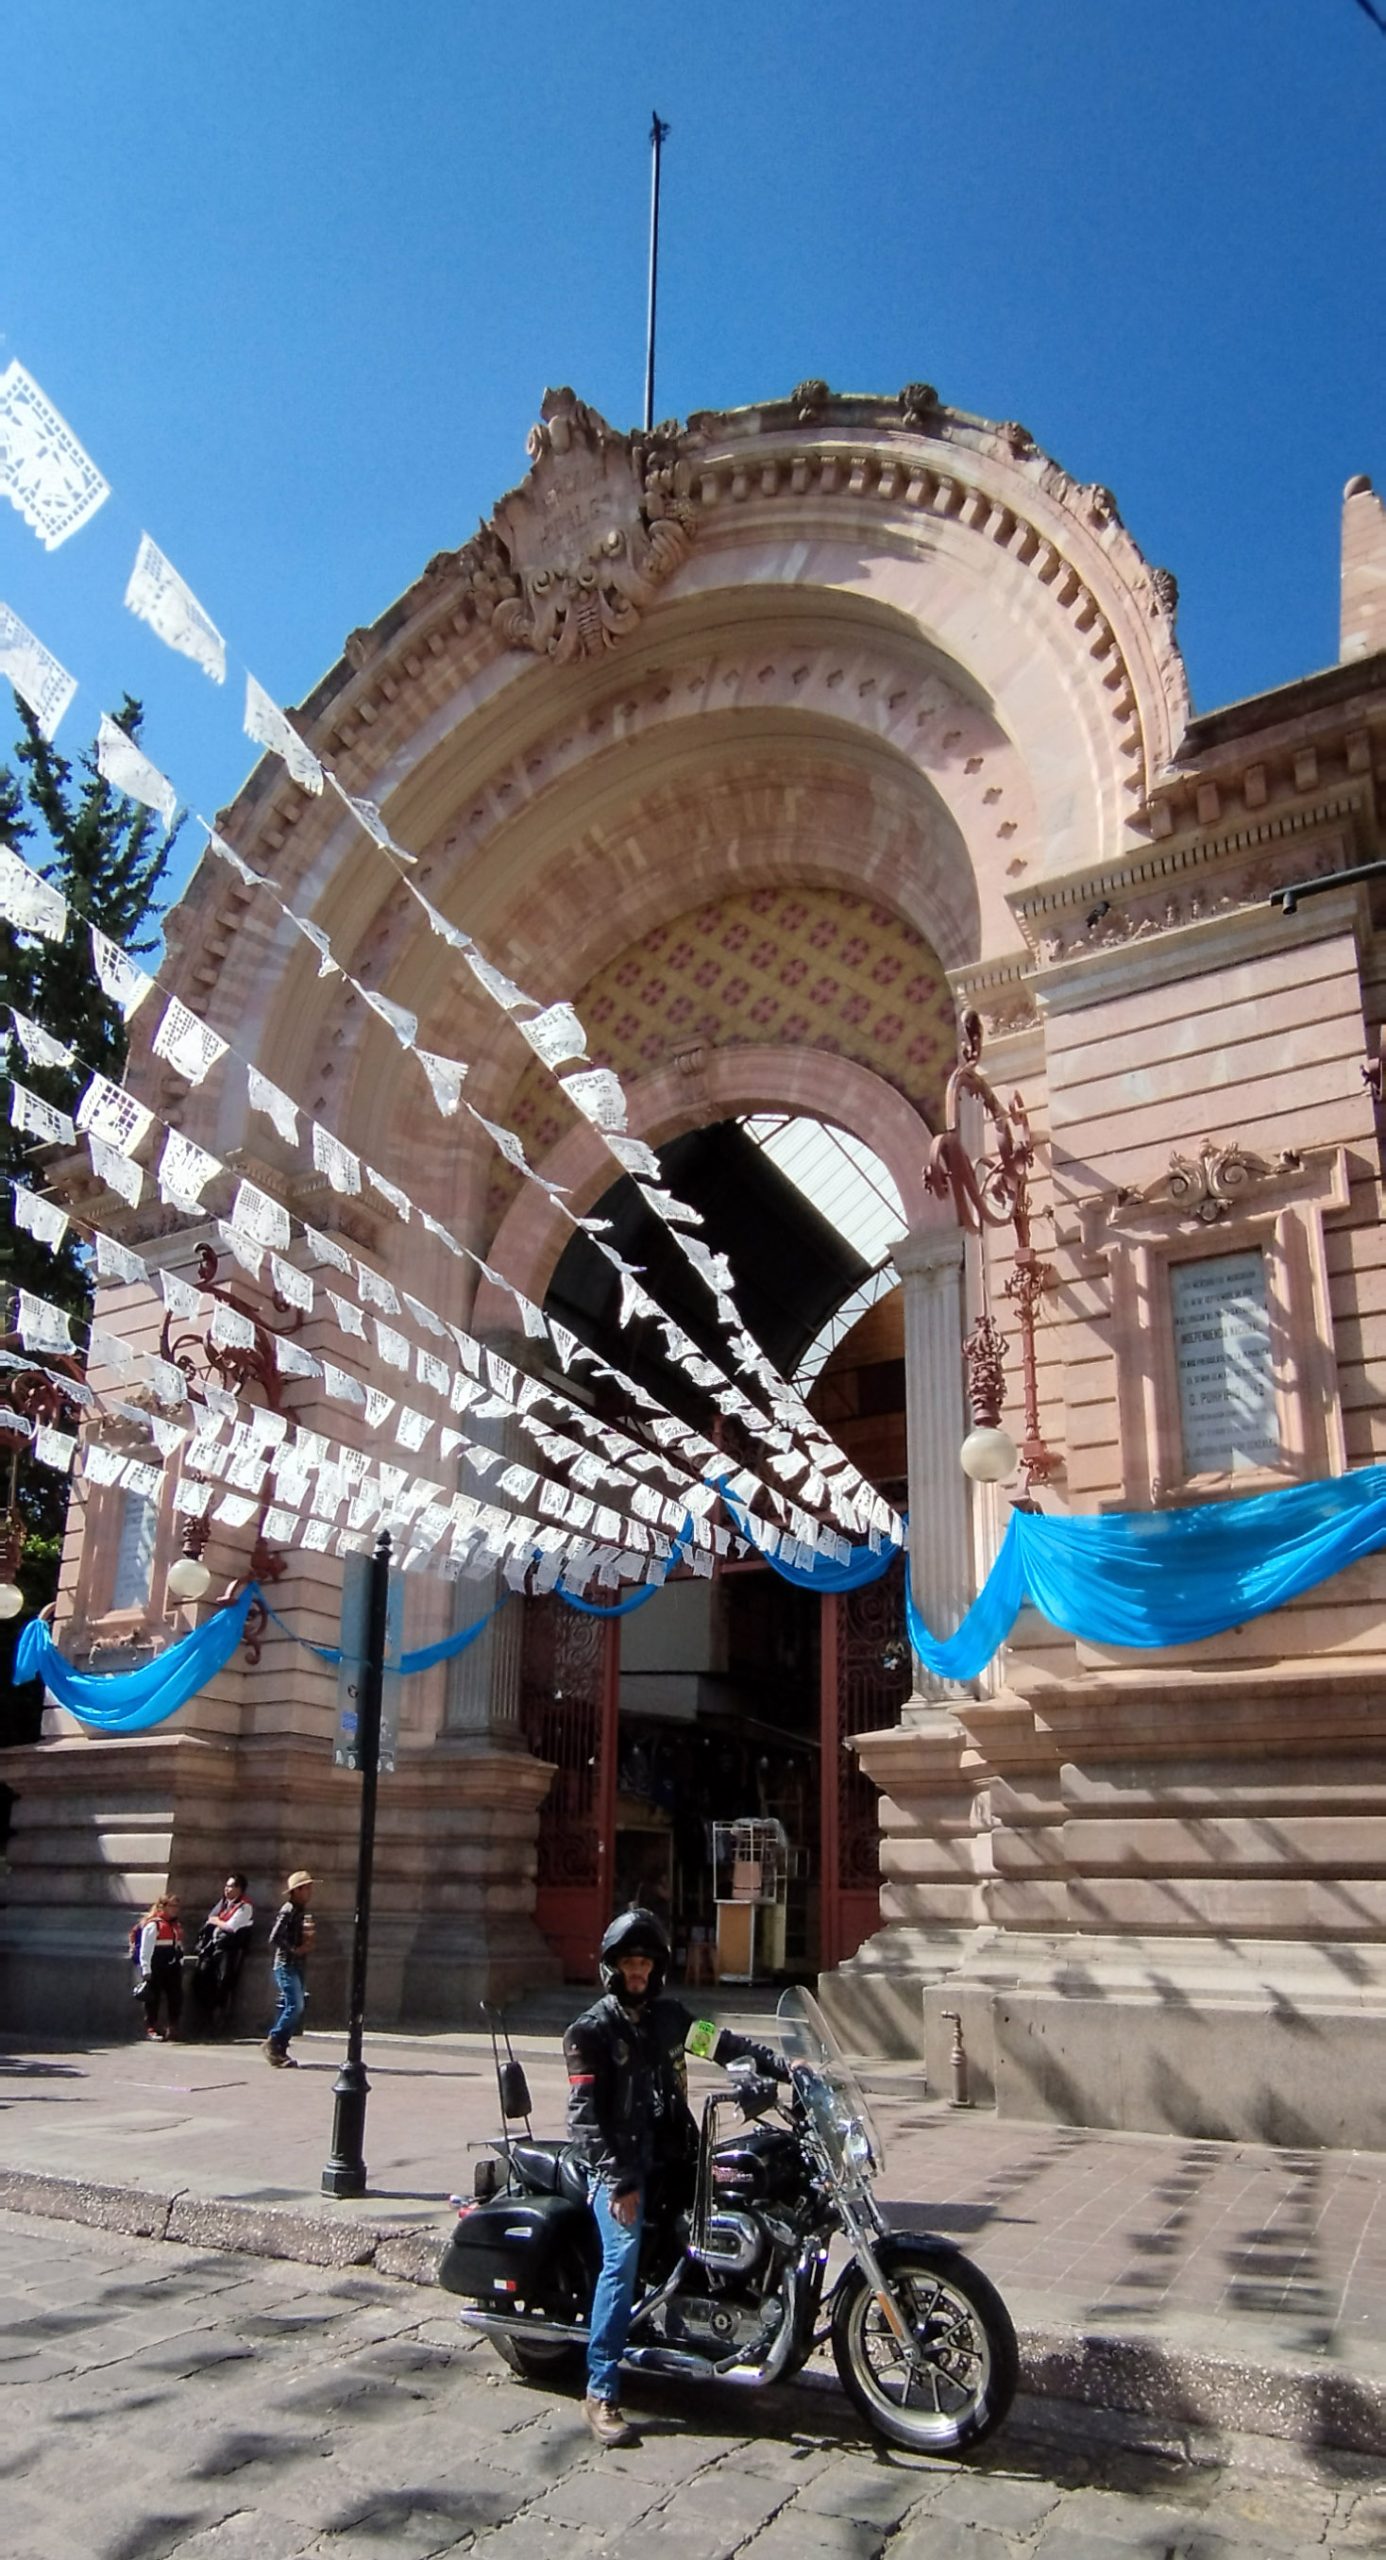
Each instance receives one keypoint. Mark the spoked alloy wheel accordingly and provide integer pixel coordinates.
(963, 2380)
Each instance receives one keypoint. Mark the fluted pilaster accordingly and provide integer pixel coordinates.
(930, 1264)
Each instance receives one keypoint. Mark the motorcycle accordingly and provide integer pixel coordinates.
(734, 2288)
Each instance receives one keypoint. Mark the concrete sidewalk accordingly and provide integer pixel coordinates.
(1214, 2284)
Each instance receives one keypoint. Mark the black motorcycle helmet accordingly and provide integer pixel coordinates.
(636, 1932)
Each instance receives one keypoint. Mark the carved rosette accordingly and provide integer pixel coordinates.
(573, 557)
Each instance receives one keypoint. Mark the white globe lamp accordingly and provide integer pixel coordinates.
(11, 1599)
(189, 1579)
(989, 1455)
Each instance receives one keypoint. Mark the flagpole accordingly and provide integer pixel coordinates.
(659, 134)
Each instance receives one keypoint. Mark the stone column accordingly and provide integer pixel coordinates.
(483, 1700)
(482, 1792)
(930, 1264)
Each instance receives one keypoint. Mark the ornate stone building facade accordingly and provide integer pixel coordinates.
(771, 741)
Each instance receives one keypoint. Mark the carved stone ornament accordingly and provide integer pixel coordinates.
(809, 400)
(918, 403)
(1204, 1189)
(571, 558)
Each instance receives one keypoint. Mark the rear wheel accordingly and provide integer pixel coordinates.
(961, 2381)
(541, 2359)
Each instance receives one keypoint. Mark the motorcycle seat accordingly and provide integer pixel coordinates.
(551, 2169)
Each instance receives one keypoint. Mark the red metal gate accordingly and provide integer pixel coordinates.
(569, 1682)
(865, 1679)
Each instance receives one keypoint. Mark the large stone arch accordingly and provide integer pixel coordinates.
(892, 601)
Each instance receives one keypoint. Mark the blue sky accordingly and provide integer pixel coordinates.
(298, 277)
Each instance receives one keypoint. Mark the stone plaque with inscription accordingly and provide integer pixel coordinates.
(1222, 1352)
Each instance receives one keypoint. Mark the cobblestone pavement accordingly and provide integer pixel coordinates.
(163, 2401)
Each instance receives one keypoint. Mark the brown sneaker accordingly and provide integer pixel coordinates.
(274, 2056)
(608, 2423)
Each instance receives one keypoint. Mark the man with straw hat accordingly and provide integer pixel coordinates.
(290, 1940)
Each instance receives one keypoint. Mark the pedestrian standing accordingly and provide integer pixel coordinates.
(157, 1945)
(222, 1943)
(290, 1939)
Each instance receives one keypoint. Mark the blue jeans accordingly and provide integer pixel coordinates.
(288, 1982)
(611, 2303)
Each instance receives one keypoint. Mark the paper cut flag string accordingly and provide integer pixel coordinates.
(119, 978)
(328, 967)
(368, 816)
(38, 1119)
(39, 1045)
(159, 596)
(38, 677)
(115, 1261)
(405, 1025)
(41, 1327)
(556, 1036)
(446, 1077)
(180, 1025)
(120, 762)
(267, 725)
(276, 1106)
(44, 471)
(255, 1214)
(40, 1218)
(185, 1171)
(190, 1046)
(106, 1111)
(27, 902)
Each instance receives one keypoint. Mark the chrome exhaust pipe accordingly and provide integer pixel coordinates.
(671, 2360)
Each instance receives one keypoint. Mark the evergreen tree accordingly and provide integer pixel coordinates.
(109, 858)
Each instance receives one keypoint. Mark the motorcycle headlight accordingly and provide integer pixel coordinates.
(857, 2152)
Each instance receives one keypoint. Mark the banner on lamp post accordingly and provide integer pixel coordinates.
(356, 1579)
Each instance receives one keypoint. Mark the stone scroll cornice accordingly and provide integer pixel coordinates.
(1163, 888)
(1203, 880)
(1222, 1183)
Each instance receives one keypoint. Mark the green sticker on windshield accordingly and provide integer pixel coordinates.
(700, 2039)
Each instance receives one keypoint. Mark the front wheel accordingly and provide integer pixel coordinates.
(963, 2379)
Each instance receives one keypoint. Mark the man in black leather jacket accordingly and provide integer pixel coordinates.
(628, 2115)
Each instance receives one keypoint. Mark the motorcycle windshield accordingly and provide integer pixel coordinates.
(835, 2099)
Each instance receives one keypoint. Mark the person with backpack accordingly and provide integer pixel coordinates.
(156, 1950)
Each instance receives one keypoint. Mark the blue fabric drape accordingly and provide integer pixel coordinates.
(1133, 1579)
(445, 1650)
(1144, 1579)
(866, 1564)
(133, 1701)
(635, 1599)
(610, 1608)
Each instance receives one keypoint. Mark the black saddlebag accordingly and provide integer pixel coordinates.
(524, 2252)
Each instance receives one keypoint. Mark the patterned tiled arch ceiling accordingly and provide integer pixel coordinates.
(798, 966)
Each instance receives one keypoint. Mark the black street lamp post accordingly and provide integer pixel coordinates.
(345, 2172)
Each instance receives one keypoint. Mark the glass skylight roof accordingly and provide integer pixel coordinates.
(847, 1184)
